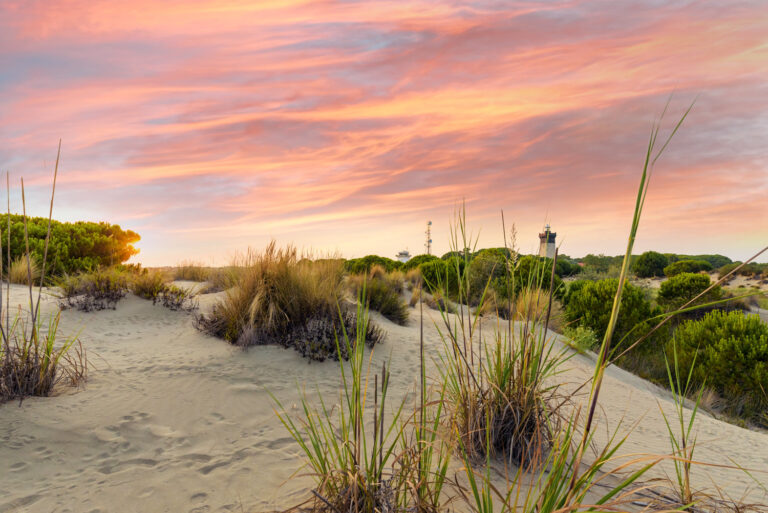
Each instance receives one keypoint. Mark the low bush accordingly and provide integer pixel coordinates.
(687, 266)
(415, 262)
(382, 293)
(650, 264)
(364, 264)
(751, 269)
(729, 354)
(488, 267)
(73, 247)
(97, 290)
(581, 338)
(566, 267)
(280, 299)
(681, 288)
(590, 304)
(442, 275)
(19, 272)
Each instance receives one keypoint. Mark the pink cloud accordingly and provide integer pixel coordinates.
(327, 122)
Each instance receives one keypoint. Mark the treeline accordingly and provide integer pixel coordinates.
(651, 264)
(73, 247)
(647, 265)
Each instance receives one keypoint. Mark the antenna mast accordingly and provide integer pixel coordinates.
(428, 243)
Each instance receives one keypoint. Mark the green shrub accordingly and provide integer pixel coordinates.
(74, 247)
(582, 338)
(572, 288)
(364, 264)
(714, 260)
(687, 266)
(382, 293)
(750, 269)
(533, 271)
(590, 304)
(442, 275)
(731, 357)
(566, 267)
(681, 288)
(487, 267)
(416, 261)
(601, 264)
(650, 264)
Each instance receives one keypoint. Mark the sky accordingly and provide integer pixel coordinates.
(342, 127)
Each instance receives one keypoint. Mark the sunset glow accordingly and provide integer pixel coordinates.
(343, 126)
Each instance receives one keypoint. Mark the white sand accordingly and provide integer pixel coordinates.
(173, 420)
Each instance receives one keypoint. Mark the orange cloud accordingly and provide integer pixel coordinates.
(347, 124)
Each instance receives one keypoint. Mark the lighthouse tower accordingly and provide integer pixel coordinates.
(547, 243)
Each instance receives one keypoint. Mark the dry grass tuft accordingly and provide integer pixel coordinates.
(382, 292)
(282, 299)
(19, 273)
(93, 291)
(191, 271)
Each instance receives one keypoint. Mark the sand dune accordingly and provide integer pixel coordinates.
(173, 420)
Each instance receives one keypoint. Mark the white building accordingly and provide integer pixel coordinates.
(403, 256)
(547, 243)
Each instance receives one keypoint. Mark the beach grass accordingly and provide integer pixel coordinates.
(285, 299)
(34, 354)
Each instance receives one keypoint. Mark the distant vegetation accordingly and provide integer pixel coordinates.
(687, 266)
(364, 264)
(729, 354)
(74, 247)
(650, 264)
(683, 287)
(589, 304)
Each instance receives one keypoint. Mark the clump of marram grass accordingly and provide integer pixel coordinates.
(34, 359)
(501, 400)
(34, 356)
(20, 273)
(191, 271)
(223, 278)
(382, 292)
(398, 466)
(284, 300)
(91, 291)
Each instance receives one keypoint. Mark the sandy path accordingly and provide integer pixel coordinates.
(172, 420)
